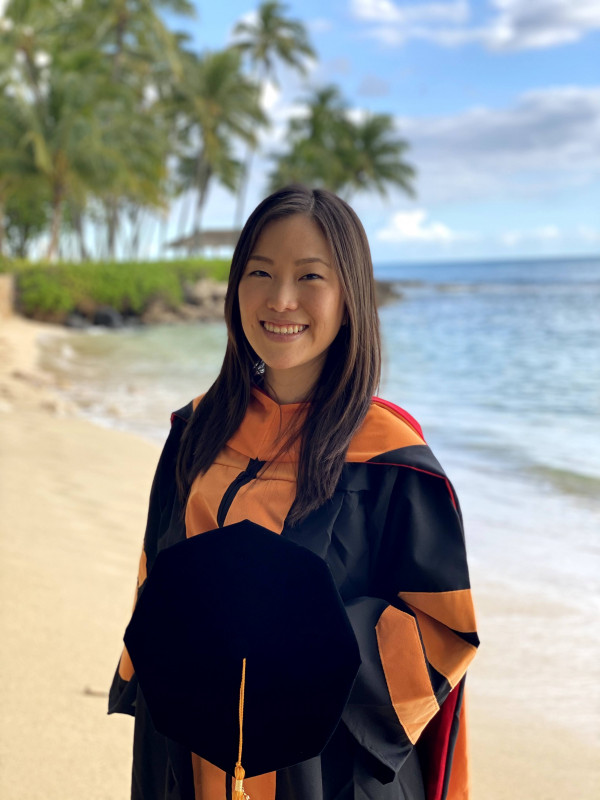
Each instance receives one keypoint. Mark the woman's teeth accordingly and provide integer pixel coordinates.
(284, 328)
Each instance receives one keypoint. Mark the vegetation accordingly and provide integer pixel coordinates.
(270, 39)
(52, 291)
(107, 117)
(327, 147)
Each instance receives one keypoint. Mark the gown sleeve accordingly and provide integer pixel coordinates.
(416, 634)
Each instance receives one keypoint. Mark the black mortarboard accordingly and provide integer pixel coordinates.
(235, 593)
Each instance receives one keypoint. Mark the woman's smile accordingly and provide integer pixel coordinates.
(283, 328)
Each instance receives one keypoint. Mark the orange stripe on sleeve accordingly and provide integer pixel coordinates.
(446, 652)
(454, 609)
(405, 670)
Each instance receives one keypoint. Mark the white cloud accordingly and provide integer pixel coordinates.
(546, 233)
(385, 11)
(411, 226)
(547, 140)
(513, 25)
(545, 143)
(542, 234)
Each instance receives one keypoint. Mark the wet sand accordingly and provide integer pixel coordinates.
(73, 504)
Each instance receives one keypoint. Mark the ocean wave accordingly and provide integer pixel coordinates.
(568, 481)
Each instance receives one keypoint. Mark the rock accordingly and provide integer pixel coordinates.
(193, 313)
(204, 291)
(207, 295)
(386, 292)
(77, 321)
(108, 317)
(158, 312)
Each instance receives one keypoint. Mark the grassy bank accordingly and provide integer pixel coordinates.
(51, 292)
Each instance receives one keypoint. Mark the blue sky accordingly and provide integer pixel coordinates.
(499, 100)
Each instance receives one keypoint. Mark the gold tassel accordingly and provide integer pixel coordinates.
(238, 792)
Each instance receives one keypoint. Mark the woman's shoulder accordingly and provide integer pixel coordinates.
(185, 412)
(386, 428)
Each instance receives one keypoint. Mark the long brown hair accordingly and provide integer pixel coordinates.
(341, 397)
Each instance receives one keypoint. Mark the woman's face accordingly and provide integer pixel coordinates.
(291, 304)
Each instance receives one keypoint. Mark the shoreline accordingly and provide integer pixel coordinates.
(73, 497)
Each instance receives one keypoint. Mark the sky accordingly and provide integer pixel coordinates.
(498, 99)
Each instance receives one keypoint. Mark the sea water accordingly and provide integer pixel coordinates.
(500, 363)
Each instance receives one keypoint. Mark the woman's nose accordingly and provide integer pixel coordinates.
(282, 296)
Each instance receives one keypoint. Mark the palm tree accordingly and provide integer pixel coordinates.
(144, 57)
(89, 135)
(215, 105)
(23, 201)
(327, 148)
(62, 132)
(269, 38)
(375, 157)
(132, 34)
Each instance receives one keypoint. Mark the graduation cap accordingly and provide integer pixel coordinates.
(239, 635)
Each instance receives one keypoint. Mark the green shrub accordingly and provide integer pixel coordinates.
(52, 291)
(42, 293)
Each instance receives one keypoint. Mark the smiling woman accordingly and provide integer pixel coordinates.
(291, 305)
(291, 438)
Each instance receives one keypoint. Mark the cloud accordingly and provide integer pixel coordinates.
(411, 226)
(546, 141)
(385, 11)
(512, 24)
(546, 233)
(541, 235)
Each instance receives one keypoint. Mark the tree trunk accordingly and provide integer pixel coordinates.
(78, 224)
(204, 175)
(2, 233)
(112, 224)
(135, 219)
(57, 207)
(241, 196)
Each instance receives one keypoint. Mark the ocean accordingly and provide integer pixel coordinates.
(500, 363)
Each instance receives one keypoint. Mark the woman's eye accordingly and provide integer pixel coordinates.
(259, 273)
(311, 276)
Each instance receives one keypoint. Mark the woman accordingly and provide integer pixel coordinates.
(290, 436)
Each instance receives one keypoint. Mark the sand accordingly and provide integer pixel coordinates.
(72, 510)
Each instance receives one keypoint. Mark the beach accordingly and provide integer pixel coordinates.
(73, 500)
